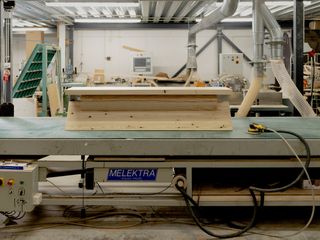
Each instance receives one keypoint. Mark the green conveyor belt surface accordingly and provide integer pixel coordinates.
(53, 128)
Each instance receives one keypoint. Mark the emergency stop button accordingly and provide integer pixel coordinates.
(10, 182)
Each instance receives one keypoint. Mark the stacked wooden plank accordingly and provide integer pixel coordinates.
(142, 108)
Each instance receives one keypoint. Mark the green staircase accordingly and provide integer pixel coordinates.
(34, 71)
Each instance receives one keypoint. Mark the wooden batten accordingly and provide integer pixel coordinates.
(151, 109)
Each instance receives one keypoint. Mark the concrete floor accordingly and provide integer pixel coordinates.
(158, 224)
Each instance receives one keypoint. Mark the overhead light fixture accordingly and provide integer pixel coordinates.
(92, 4)
(231, 20)
(26, 29)
(237, 20)
(107, 20)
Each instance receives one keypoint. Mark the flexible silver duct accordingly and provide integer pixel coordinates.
(227, 9)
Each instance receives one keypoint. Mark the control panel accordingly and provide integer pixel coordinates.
(142, 64)
(231, 63)
(19, 187)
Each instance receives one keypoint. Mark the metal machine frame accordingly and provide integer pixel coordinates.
(175, 149)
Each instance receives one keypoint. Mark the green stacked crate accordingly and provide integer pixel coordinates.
(31, 76)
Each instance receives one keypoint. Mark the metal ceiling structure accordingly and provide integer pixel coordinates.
(46, 13)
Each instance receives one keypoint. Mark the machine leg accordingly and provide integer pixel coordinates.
(189, 181)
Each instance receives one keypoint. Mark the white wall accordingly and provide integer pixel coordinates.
(168, 48)
(19, 50)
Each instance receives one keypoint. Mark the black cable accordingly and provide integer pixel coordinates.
(262, 198)
(188, 199)
(13, 215)
(83, 209)
(298, 178)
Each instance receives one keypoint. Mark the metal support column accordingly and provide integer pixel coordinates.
(44, 82)
(1, 51)
(298, 43)
(61, 30)
(219, 41)
(6, 78)
(71, 45)
(59, 75)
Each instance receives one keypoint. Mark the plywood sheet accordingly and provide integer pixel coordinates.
(77, 91)
(54, 100)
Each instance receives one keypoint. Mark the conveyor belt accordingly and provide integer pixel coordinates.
(46, 136)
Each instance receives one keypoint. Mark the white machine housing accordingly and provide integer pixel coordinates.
(231, 64)
(19, 187)
(142, 63)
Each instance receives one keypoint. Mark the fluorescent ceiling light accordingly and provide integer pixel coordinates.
(231, 20)
(92, 4)
(237, 20)
(23, 29)
(106, 20)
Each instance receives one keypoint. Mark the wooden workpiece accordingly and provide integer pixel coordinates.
(141, 108)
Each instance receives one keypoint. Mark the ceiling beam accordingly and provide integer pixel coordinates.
(99, 1)
(45, 11)
(172, 10)
(289, 10)
(200, 9)
(158, 12)
(145, 10)
(29, 18)
(183, 13)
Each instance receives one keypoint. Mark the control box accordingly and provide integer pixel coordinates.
(231, 64)
(19, 187)
(142, 64)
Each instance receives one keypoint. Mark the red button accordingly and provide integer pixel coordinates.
(10, 182)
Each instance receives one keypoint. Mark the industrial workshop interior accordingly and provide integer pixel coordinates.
(159, 119)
